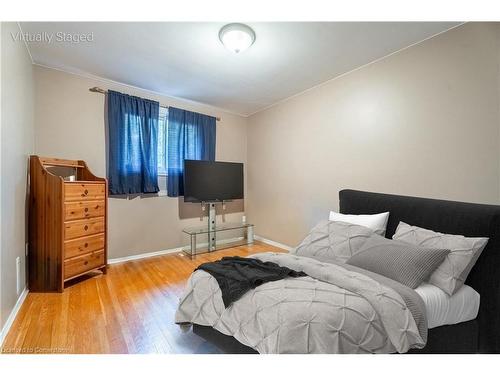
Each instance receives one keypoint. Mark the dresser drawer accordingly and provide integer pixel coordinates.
(83, 245)
(74, 191)
(83, 209)
(85, 227)
(84, 263)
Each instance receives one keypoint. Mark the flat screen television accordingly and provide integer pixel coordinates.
(212, 181)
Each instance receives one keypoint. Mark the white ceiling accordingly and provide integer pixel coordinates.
(186, 60)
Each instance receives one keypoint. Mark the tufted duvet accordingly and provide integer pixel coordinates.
(335, 309)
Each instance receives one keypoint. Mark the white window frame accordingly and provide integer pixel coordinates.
(163, 117)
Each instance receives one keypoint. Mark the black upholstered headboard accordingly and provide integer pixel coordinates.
(468, 219)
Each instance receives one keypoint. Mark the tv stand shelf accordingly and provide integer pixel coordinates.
(212, 244)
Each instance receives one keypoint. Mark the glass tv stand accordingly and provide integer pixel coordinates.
(211, 233)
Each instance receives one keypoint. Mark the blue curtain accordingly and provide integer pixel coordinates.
(190, 135)
(133, 144)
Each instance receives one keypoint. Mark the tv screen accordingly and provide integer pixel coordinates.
(208, 181)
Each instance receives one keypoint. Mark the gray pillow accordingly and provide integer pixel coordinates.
(333, 241)
(464, 252)
(408, 264)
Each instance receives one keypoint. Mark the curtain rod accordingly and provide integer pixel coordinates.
(102, 91)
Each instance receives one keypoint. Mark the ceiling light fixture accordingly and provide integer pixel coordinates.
(237, 37)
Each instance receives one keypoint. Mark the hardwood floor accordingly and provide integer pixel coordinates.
(129, 310)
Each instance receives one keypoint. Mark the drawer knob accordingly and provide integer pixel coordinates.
(86, 209)
(86, 245)
(85, 192)
(96, 207)
(86, 262)
(86, 227)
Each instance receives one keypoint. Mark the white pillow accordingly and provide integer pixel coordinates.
(376, 222)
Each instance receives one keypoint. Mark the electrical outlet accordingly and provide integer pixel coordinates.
(18, 275)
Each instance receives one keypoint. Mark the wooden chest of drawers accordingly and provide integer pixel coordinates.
(68, 222)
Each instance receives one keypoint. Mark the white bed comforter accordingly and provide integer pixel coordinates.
(332, 310)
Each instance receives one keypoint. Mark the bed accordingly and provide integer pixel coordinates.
(479, 335)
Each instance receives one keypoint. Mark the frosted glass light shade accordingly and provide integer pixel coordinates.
(237, 37)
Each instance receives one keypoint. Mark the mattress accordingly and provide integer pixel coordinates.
(443, 309)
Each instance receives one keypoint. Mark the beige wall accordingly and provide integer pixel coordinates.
(422, 122)
(70, 124)
(17, 143)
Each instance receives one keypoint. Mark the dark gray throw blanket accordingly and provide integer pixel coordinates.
(237, 275)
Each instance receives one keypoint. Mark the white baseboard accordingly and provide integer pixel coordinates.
(273, 243)
(12, 316)
(169, 251)
(145, 255)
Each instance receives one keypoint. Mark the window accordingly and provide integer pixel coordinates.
(162, 150)
(162, 141)
(197, 142)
